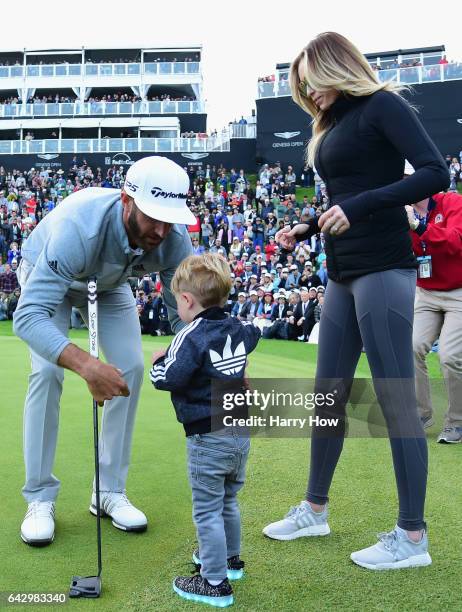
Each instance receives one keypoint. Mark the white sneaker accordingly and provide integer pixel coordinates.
(123, 513)
(394, 550)
(301, 521)
(38, 526)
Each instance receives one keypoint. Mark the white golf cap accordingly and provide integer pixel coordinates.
(160, 188)
(253, 292)
(242, 293)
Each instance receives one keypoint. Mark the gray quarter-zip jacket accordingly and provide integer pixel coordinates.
(85, 236)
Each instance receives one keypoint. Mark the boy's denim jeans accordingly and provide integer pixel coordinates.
(216, 468)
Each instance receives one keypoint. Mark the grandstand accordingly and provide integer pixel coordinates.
(111, 106)
(436, 89)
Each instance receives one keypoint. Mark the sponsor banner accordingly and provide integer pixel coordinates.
(242, 155)
(283, 129)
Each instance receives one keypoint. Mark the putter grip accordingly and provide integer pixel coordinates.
(93, 316)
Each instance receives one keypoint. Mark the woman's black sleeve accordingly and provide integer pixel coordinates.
(313, 229)
(396, 121)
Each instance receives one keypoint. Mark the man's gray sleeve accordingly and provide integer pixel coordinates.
(184, 250)
(61, 260)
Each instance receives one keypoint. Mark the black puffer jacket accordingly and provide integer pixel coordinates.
(361, 160)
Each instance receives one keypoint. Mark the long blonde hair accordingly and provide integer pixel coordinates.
(331, 61)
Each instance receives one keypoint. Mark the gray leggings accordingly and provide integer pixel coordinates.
(375, 310)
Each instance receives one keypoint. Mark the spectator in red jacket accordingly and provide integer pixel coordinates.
(270, 248)
(436, 225)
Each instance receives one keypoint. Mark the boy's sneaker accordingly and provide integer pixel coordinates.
(450, 435)
(235, 565)
(301, 521)
(427, 422)
(196, 588)
(394, 550)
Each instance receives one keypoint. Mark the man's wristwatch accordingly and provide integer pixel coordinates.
(415, 224)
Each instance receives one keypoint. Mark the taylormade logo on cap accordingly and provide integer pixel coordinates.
(157, 192)
(160, 188)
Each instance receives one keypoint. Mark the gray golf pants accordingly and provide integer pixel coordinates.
(120, 341)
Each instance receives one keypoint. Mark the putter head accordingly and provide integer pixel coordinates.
(85, 586)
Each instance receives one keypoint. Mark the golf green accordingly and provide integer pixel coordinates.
(306, 574)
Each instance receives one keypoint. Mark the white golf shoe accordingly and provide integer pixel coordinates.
(123, 513)
(38, 526)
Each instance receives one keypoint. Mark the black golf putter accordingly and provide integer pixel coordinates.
(90, 586)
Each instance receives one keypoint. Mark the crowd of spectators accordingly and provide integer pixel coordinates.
(280, 292)
(431, 70)
(408, 63)
(49, 99)
(116, 97)
(194, 58)
(235, 217)
(88, 60)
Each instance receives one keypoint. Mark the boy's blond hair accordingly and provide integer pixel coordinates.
(207, 277)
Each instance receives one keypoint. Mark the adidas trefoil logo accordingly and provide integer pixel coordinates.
(229, 363)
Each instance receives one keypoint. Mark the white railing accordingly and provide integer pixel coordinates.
(101, 108)
(422, 74)
(100, 70)
(239, 130)
(115, 145)
(407, 76)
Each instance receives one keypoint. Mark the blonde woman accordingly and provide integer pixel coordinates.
(362, 132)
(236, 247)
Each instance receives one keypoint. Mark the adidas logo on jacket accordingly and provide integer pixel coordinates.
(213, 346)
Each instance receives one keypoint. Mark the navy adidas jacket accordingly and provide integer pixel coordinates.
(212, 346)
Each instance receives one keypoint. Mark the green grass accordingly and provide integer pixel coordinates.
(314, 574)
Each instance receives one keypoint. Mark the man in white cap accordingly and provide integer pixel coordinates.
(250, 310)
(239, 305)
(111, 234)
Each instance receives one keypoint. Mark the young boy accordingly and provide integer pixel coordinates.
(211, 346)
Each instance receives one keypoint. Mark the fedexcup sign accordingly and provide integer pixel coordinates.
(119, 159)
(286, 136)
